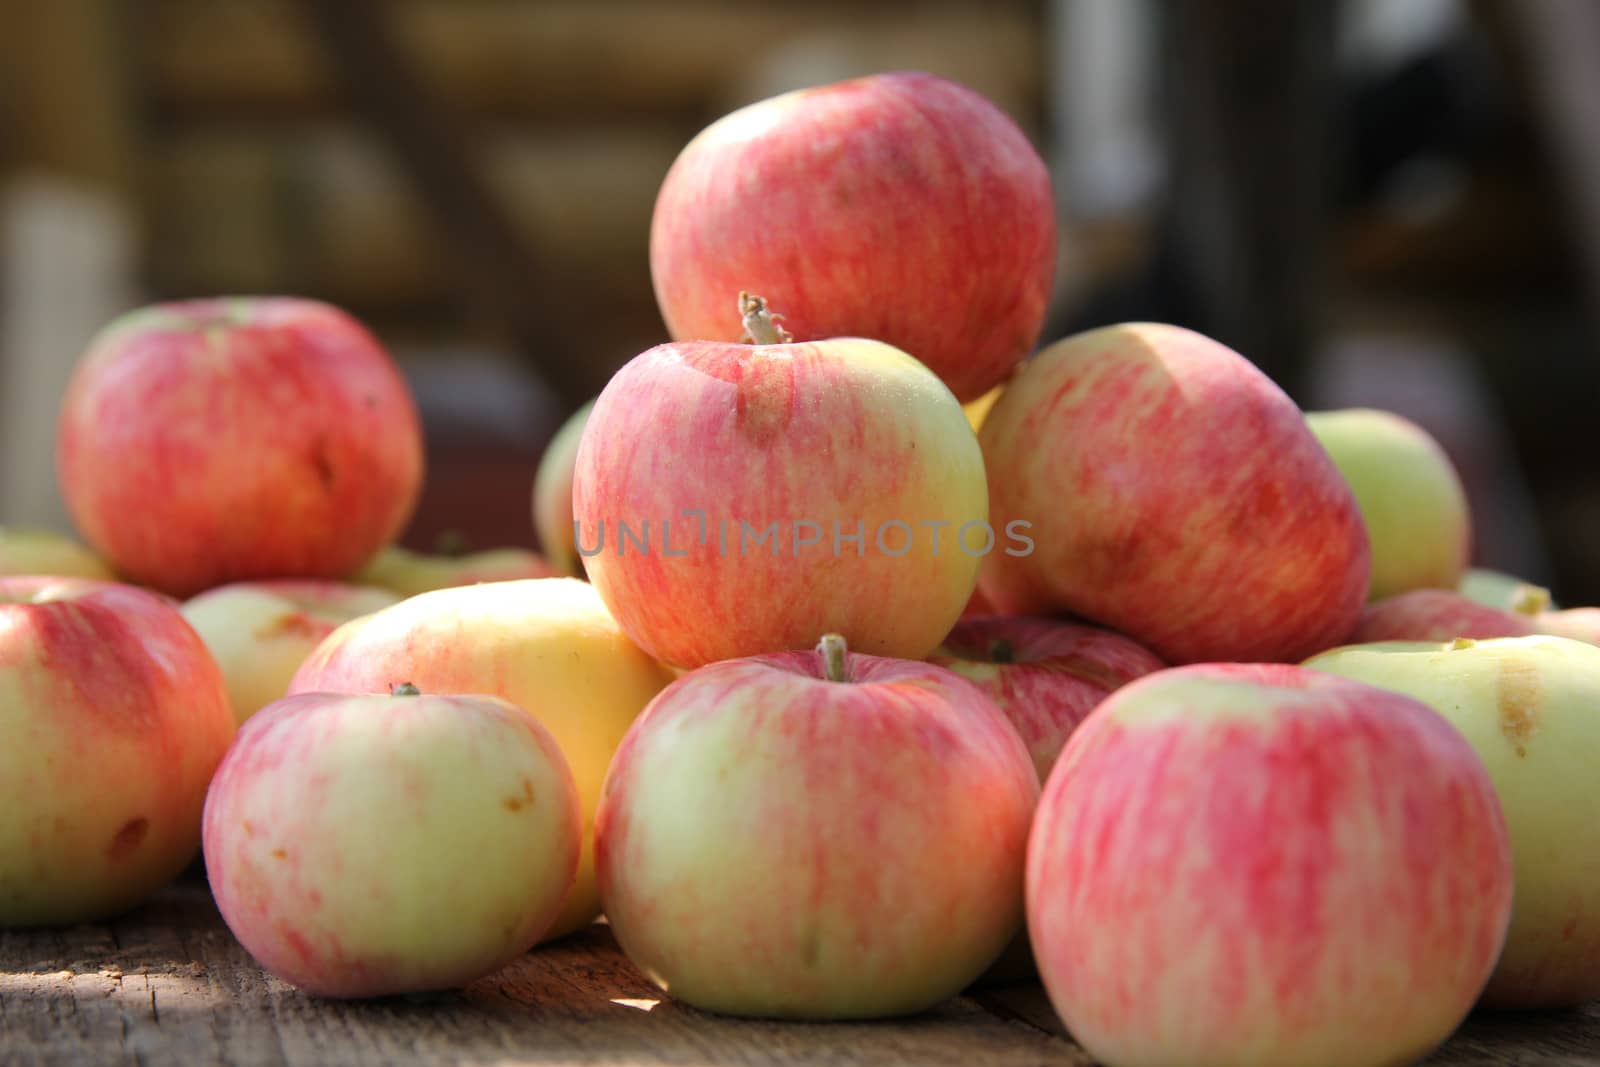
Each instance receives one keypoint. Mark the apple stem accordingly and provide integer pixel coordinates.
(760, 325)
(1000, 651)
(405, 689)
(834, 652)
(1530, 599)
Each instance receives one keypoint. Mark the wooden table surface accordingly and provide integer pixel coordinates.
(169, 984)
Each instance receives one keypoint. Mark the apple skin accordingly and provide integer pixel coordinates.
(1496, 589)
(1435, 615)
(552, 494)
(901, 207)
(1047, 675)
(211, 441)
(1579, 624)
(849, 432)
(409, 573)
(774, 844)
(44, 552)
(1263, 865)
(1175, 496)
(113, 717)
(361, 846)
(1530, 706)
(547, 645)
(1411, 498)
(260, 632)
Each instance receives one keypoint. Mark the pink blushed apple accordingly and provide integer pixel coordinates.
(547, 645)
(260, 632)
(367, 845)
(1047, 675)
(1435, 615)
(737, 499)
(901, 207)
(816, 835)
(1175, 495)
(1265, 865)
(211, 441)
(112, 718)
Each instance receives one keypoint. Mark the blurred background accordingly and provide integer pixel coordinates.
(1392, 203)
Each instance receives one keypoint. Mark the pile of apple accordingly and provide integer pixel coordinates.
(857, 703)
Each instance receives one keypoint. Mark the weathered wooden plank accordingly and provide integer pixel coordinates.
(1528, 1039)
(169, 984)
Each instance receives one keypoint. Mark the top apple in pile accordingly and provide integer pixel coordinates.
(211, 441)
(736, 499)
(901, 207)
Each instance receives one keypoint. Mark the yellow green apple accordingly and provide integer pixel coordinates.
(552, 494)
(1530, 706)
(260, 632)
(26, 551)
(408, 573)
(1411, 497)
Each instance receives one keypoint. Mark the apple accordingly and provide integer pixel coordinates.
(1175, 495)
(737, 499)
(1580, 624)
(112, 718)
(816, 835)
(260, 632)
(901, 207)
(1530, 706)
(1435, 615)
(45, 552)
(978, 410)
(547, 645)
(1258, 864)
(1441, 615)
(1497, 589)
(1047, 675)
(1410, 495)
(211, 441)
(407, 573)
(360, 846)
(552, 494)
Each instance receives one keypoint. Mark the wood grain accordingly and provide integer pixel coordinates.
(169, 984)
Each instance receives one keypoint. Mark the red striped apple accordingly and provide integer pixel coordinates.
(775, 491)
(901, 207)
(1530, 706)
(260, 632)
(1175, 496)
(1266, 865)
(816, 835)
(552, 494)
(112, 718)
(547, 645)
(1047, 675)
(360, 846)
(45, 552)
(211, 441)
